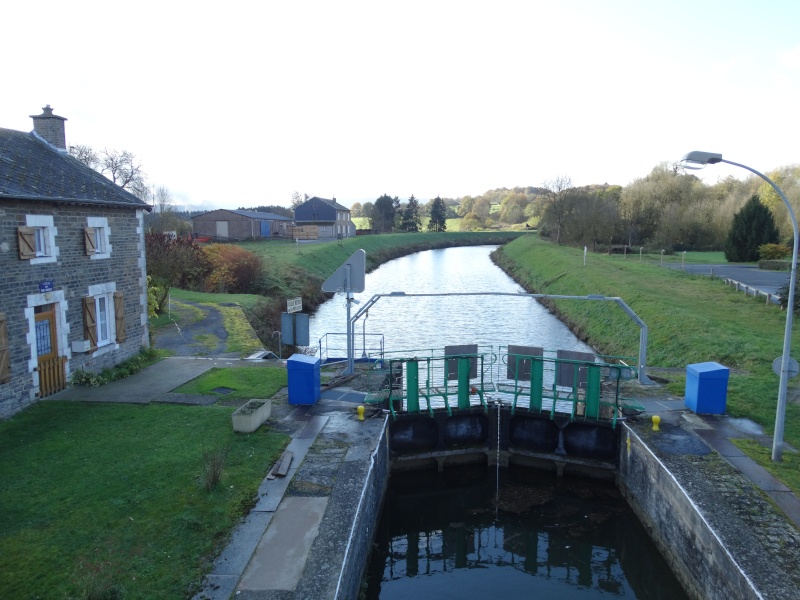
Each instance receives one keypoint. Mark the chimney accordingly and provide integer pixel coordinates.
(50, 128)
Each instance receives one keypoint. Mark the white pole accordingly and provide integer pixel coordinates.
(777, 440)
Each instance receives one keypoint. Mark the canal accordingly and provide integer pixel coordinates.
(480, 532)
(435, 322)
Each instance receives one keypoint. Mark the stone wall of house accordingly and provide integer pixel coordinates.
(64, 283)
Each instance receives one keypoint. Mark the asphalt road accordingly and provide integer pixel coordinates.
(766, 281)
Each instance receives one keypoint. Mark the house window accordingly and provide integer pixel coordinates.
(95, 238)
(103, 316)
(37, 239)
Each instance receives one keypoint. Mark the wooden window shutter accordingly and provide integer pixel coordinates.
(88, 239)
(119, 316)
(90, 321)
(5, 359)
(26, 236)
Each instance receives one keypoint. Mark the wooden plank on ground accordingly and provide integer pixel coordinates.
(283, 465)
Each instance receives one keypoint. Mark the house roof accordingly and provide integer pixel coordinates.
(264, 216)
(261, 216)
(32, 169)
(331, 203)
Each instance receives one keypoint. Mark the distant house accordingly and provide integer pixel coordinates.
(72, 257)
(330, 218)
(240, 225)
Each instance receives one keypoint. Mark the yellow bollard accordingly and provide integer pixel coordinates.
(656, 421)
(360, 410)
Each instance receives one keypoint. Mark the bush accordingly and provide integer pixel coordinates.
(775, 265)
(134, 364)
(783, 292)
(234, 270)
(773, 251)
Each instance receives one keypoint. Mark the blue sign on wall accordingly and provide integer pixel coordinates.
(45, 286)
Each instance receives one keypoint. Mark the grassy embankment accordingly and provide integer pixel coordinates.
(300, 269)
(690, 319)
(114, 501)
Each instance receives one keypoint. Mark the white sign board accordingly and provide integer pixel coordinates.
(294, 305)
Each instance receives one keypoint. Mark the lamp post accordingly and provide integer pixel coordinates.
(697, 160)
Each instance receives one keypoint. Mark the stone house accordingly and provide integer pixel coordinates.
(73, 286)
(331, 218)
(240, 225)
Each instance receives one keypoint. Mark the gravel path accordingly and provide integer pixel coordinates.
(203, 336)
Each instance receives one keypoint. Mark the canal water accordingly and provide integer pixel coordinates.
(453, 535)
(435, 322)
(462, 533)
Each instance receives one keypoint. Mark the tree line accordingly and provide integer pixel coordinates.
(668, 209)
(389, 214)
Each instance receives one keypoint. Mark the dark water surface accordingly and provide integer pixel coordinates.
(451, 535)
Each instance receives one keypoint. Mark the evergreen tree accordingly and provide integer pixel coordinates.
(438, 220)
(409, 215)
(383, 214)
(752, 226)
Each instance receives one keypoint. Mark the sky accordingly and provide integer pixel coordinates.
(239, 104)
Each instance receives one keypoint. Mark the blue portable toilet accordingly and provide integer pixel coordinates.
(706, 388)
(304, 379)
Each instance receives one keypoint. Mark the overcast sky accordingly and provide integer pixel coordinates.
(233, 104)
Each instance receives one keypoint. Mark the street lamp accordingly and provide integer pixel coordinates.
(698, 160)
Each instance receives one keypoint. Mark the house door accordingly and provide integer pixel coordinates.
(52, 377)
(222, 229)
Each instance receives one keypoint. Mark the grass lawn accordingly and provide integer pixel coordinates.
(246, 382)
(110, 499)
(690, 319)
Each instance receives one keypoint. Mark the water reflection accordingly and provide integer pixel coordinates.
(453, 535)
(415, 323)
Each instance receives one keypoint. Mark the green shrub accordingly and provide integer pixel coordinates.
(773, 251)
(775, 265)
(146, 357)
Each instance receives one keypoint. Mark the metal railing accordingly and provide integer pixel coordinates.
(544, 383)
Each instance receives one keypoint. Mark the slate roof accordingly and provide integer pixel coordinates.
(264, 216)
(32, 169)
(332, 203)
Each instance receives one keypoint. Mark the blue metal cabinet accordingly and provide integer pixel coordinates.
(304, 379)
(706, 388)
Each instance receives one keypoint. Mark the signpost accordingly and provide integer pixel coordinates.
(294, 305)
(349, 278)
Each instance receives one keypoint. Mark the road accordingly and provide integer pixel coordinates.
(766, 281)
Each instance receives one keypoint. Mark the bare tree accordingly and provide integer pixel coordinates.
(121, 167)
(297, 199)
(86, 155)
(556, 208)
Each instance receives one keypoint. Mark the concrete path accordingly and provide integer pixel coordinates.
(149, 385)
(717, 431)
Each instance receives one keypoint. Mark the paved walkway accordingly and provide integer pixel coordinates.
(717, 431)
(768, 282)
(153, 384)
